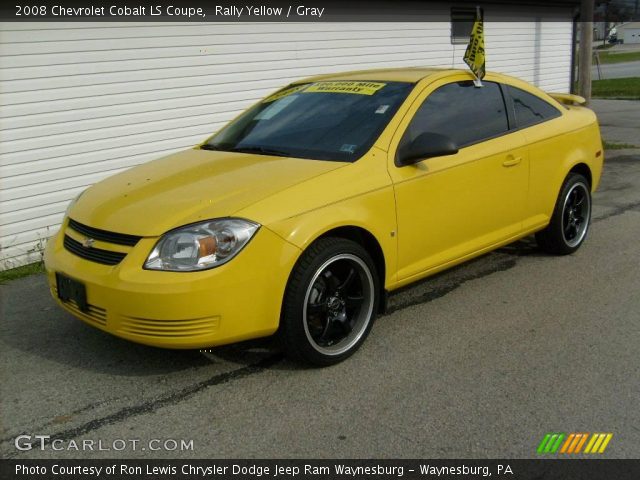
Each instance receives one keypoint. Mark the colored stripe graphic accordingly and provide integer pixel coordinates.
(576, 439)
(556, 445)
(578, 442)
(606, 441)
(550, 443)
(574, 442)
(567, 443)
(543, 443)
(598, 443)
(581, 443)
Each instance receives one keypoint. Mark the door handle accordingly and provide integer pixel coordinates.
(511, 161)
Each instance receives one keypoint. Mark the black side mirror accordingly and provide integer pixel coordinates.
(426, 145)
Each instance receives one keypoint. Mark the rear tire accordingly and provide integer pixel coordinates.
(571, 217)
(330, 302)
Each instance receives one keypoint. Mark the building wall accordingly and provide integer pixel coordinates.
(82, 101)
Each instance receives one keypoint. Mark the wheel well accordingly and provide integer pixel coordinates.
(584, 170)
(371, 245)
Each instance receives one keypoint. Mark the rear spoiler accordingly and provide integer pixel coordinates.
(568, 98)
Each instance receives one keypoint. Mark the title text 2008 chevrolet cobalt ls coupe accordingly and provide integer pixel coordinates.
(300, 214)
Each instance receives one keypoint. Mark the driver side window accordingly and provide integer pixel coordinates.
(463, 112)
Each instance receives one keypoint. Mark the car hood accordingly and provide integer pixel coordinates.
(187, 187)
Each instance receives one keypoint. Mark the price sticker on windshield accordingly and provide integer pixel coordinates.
(359, 88)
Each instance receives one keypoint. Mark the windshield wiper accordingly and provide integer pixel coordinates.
(208, 146)
(260, 151)
(254, 149)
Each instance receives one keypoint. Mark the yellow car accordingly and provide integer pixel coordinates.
(302, 213)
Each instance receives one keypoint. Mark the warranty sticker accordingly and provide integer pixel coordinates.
(360, 88)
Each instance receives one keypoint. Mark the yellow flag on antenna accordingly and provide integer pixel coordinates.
(474, 55)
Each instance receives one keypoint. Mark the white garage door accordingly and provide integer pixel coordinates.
(82, 101)
(631, 35)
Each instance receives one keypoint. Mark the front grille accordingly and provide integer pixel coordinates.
(103, 235)
(106, 257)
(191, 327)
(94, 314)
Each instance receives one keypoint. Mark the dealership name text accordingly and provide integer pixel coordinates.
(210, 470)
(237, 11)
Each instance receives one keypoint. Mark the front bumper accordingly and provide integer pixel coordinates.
(233, 302)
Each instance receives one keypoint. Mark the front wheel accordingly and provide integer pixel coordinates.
(571, 217)
(330, 303)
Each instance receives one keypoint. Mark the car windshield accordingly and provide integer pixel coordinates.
(336, 120)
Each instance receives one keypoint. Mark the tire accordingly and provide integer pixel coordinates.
(330, 302)
(571, 217)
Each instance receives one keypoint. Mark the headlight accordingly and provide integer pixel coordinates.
(201, 245)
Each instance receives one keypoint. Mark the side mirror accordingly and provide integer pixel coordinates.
(426, 145)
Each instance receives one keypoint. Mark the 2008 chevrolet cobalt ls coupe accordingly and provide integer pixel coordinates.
(300, 214)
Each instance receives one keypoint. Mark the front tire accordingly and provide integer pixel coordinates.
(330, 302)
(571, 218)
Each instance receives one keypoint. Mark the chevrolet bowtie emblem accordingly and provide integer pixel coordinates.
(88, 242)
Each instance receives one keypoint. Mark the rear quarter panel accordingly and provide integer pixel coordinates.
(555, 147)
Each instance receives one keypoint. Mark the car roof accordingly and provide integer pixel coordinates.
(412, 74)
(408, 74)
(417, 74)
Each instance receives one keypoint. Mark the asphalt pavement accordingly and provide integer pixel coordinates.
(616, 70)
(619, 121)
(480, 361)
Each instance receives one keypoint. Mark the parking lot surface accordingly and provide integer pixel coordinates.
(480, 361)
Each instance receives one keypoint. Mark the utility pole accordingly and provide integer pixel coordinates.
(585, 52)
(606, 23)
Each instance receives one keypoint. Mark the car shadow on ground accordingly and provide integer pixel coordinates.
(523, 248)
(54, 335)
(73, 344)
(32, 323)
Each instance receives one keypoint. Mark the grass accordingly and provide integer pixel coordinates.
(20, 272)
(611, 57)
(617, 146)
(621, 88)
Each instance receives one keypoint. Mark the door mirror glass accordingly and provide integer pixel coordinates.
(426, 145)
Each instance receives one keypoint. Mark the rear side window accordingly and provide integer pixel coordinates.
(463, 112)
(530, 109)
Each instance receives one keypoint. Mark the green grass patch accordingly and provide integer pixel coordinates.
(617, 146)
(20, 272)
(612, 57)
(621, 88)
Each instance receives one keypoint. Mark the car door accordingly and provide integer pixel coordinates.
(450, 207)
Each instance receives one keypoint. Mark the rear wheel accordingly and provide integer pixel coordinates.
(571, 218)
(330, 302)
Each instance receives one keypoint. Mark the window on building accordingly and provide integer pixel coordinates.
(463, 112)
(462, 20)
(530, 109)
